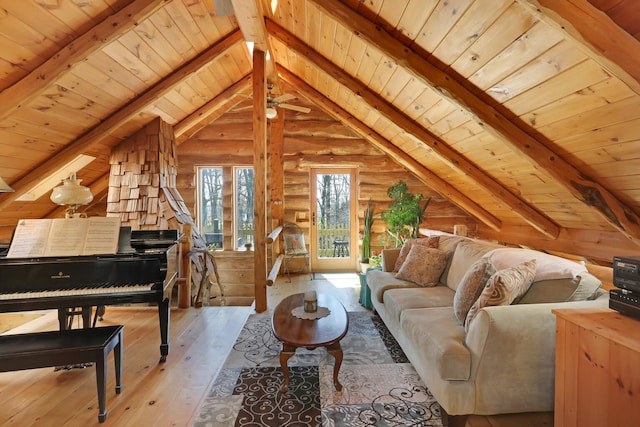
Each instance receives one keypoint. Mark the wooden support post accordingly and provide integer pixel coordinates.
(260, 180)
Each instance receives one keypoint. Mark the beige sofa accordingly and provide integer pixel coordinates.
(505, 362)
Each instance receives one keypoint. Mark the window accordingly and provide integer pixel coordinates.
(243, 202)
(211, 199)
(210, 182)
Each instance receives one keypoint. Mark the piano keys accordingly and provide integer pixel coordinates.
(145, 274)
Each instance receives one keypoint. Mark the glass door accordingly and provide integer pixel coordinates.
(333, 230)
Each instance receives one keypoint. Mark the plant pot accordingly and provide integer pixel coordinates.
(364, 266)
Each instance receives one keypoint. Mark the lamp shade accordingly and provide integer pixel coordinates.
(71, 193)
(272, 113)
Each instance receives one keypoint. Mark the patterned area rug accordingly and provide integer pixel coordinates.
(380, 387)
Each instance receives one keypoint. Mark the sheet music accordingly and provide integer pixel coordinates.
(65, 237)
(102, 236)
(30, 238)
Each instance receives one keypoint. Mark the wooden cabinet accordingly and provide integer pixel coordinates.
(597, 379)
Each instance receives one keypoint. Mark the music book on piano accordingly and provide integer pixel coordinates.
(65, 237)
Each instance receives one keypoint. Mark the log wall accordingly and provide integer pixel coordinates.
(310, 140)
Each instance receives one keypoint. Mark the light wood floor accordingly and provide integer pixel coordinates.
(167, 394)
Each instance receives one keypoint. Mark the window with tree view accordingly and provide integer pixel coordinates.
(210, 203)
(210, 180)
(243, 197)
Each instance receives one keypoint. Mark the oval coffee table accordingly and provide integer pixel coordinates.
(294, 332)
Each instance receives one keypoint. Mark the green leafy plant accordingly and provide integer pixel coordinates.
(375, 261)
(366, 233)
(405, 214)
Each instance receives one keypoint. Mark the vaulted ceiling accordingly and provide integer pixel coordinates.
(524, 113)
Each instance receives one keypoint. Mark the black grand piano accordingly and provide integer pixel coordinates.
(142, 272)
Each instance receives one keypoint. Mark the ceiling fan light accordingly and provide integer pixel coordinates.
(272, 113)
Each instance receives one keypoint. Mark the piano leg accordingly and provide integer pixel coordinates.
(163, 313)
(65, 317)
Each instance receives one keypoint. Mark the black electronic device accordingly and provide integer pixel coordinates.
(626, 276)
(626, 273)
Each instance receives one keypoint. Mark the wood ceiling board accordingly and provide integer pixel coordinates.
(454, 120)
(478, 17)
(396, 84)
(407, 99)
(390, 11)
(165, 25)
(606, 92)
(558, 59)
(341, 42)
(186, 23)
(137, 66)
(30, 25)
(601, 137)
(583, 75)
(514, 22)
(354, 55)
(526, 48)
(441, 20)
(413, 18)
(619, 112)
(435, 113)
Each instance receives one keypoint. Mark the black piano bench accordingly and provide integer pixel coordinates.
(66, 347)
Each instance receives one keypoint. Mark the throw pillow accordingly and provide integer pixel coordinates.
(423, 266)
(431, 242)
(503, 288)
(471, 287)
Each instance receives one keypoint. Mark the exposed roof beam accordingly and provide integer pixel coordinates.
(439, 146)
(600, 38)
(117, 119)
(34, 83)
(250, 18)
(394, 153)
(212, 110)
(583, 188)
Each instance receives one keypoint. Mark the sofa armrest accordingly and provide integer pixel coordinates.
(513, 350)
(389, 257)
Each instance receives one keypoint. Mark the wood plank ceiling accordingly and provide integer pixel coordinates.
(524, 113)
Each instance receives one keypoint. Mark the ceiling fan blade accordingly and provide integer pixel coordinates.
(284, 98)
(295, 108)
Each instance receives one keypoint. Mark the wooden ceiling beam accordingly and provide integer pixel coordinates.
(250, 17)
(394, 153)
(440, 147)
(591, 193)
(212, 110)
(33, 84)
(117, 119)
(595, 34)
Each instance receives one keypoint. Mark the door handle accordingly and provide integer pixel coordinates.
(313, 219)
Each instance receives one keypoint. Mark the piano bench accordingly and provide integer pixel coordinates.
(66, 347)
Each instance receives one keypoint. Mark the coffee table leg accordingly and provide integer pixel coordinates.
(336, 351)
(285, 355)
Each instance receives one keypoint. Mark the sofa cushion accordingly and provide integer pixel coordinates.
(471, 287)
(548, 267)
(381, 281)
(581, 288)
(423, 265)
(398, 300)
(466, 253)
(504, 287)
(448, 243)
(431, 242)
(438, 338)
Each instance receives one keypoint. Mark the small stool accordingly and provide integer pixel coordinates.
(340, 248)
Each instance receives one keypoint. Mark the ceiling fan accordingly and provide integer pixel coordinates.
(279, 102)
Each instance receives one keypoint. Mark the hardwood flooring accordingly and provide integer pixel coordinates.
(163, 394)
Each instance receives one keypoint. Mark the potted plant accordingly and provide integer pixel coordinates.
(366, 237)
(405, 213)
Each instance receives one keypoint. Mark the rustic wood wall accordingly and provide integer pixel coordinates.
(310, 140)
